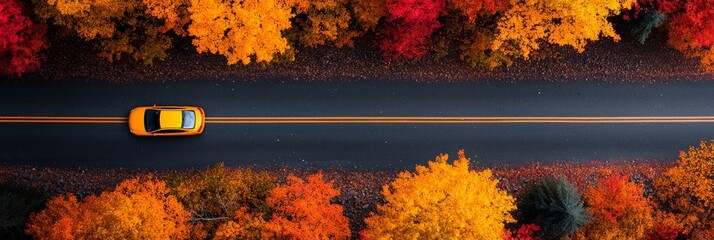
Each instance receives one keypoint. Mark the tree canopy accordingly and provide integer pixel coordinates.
(240, 30)
(530, 23)
(442, 201)
(21, 40)
(136, 209)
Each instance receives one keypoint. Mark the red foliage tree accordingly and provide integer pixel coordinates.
(525, 232)
(20, 39)
(667, 6)
(473, 8)
(696, 22)
(662, 232)
(409, 25)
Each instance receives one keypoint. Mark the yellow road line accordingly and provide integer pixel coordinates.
(429, 120)
(61, 119)
(380, 120)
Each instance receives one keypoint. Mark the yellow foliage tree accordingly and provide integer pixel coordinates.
(174, 14)
(119, 26)
(619, 210)
(240, 30)
(688, 191)
(136, 209)
(323, 21)
(528, 23)
(244, 225)
(442, 201)
(215, 194)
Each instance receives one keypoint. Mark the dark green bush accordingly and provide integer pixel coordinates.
(644, 24)
(16, 204)
(556, 206)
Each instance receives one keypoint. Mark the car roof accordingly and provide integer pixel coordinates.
(170, 119)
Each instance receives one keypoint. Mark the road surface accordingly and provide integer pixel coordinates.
(354, 144)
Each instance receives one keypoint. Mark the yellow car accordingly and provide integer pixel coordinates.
(166, 121)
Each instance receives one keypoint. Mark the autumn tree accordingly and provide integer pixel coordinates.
(619, 210)
(319, 22)
(240, 30)
(138, 208)
(213, 195)
(687, 190)
(662, 232)
(244, 224)
(367, 13)
(118, 27)
(524, 232)
(530, 23)
(556, 206)
(21, 40)
(298, 210)
(302, 209)
(470, 28)
(691, 30)
(173, 13)
(410, 23)
(442, 201)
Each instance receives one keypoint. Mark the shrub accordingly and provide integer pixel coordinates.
(556, 206)
(16, 204)
(442, 201)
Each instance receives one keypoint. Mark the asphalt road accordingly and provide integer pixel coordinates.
(363, 146)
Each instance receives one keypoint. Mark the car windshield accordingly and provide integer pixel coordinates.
(151, 120)
(189, 119)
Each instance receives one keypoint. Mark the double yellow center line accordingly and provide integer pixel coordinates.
(61, 119)
(379, 120)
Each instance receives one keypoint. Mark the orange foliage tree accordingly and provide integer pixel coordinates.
(528, 23)
(118, 26)
(619, 210)
(687, 190)
(299, 210)
(367, 13)
(173, 13)
(240, 30)
(244, 224)
(136, 209)
(302, 210)
(442, 201)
